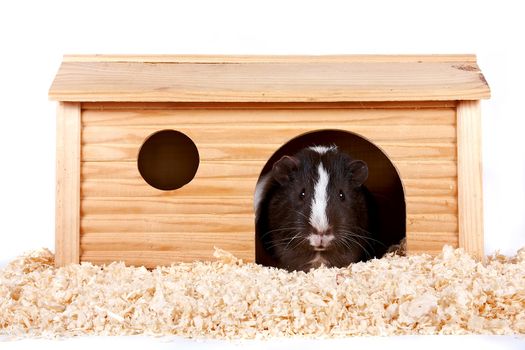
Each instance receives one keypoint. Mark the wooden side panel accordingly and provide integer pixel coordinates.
(125, 218)
(470, 190)
(67, 221)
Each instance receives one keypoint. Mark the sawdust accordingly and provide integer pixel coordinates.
(447, 294)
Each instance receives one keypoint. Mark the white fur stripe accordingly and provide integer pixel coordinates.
(323, 149)
(318, 217)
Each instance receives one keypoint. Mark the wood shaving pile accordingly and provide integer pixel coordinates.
(447, 294)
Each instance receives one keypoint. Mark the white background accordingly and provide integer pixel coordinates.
(35, 34)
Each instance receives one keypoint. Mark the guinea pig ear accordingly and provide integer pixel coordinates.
(283, 168)
(358, 172)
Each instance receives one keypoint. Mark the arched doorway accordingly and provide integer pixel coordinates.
(383, 183)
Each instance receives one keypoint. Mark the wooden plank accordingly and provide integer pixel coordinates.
(223, 224)
(433, 237)
(443, 187)
(187, 241)
(251, 169)
(202, 188)
(167, 205)
(238, 187)
(127, 152)
(166, 58)
(429, 246)
(425, 241)
(212, 130)
(225, 205)
(290, 81)
(267, 105)
(97, 247)
(108, 179)
(430, 242)
(172, 241)
(215, 225)
(273, 134)
(432, 223)
(418, 169)
(151, 259)
(265, 117)
(207, 170)
(470, 189)
(431, 204)
(67, 219)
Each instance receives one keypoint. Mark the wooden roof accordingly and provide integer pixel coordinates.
(167, 78)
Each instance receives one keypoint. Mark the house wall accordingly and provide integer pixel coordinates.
(124, 218)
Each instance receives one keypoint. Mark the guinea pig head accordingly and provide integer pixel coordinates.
(318, 206)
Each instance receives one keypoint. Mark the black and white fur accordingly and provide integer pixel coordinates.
(312, 209)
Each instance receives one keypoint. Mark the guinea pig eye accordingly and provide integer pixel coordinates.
(341, 195)
(302, 194)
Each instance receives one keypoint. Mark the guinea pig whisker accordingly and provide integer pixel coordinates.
(364, 236)
(356, 240)
(294, 237)
(357, 236)
(285, 240)
(349, 239)
(370, 238)
(276, 244)
(306, 217)
(299, 243)
(342, 243)
(282, 229)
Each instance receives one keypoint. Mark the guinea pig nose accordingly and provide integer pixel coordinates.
(326, 232)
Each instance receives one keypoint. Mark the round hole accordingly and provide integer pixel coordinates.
(168, 160)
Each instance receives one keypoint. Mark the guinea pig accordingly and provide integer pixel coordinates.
(312, 209)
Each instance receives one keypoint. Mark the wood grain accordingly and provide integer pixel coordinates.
(155, 248)
(431, 205)
(127, 152)
(444, 187)
(67, 220)
(300, 80)
(162, 241)
(214, 225)
(112, 179)
(203, 188)
(275, 134)
(117, 135)
(268, 117)
(251, 169)
(151, 259)
(437, 187)
(266, 105)
(470, 189)
(169, 205)
(436, 223)
(217, 225)
(181, 241)
(430, 243)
